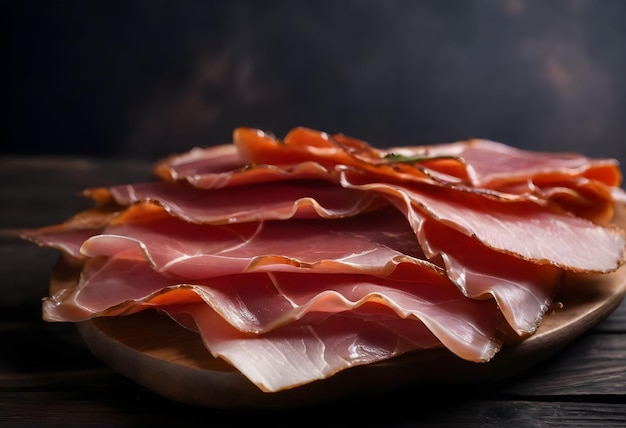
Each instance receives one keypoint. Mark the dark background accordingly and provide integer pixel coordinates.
(143, 79)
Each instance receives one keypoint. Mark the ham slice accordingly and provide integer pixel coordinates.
(260, 302)
(490, 164)
(524, 291)
(587, 187)
(315, 347)
(549, 236)
(257, 202)
(212, 161)
(343, 246)
(68, 236)
(257, 303)
(221, 166)
(191, 251)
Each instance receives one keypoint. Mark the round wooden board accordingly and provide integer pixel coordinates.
(157, 353)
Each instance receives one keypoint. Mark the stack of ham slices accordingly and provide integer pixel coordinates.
(297, 258)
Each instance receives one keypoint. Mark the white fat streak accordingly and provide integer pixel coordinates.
(245, 240)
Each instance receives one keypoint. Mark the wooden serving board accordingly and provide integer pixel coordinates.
(159, 354)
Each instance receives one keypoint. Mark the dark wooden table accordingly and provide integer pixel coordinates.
(49, 378)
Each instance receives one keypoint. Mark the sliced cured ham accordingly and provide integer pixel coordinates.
(221, 166)
(315, 347)
(192, 251)
(338, 151)
(523, 290)
(68, 236)
(519, 228)
(179, 249)
(580, 196)
(212, 161)
(261, 302)
(490, 164)
(257, 202)
(300, 257)
(587, 187)
(478, 162)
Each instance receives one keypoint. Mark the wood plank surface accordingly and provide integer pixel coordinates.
(48, 377)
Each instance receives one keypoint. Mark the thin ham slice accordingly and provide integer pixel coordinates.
(587, 187)
(222, 166)
(337, 151)
(580, 196)
(341, 246)
(257, 303)
(315, 347)
(478, 163)
(519, 228)
(193, 251)
(490, 164)
(256, 202)
(551, 237)
(68, 236)
(524, 291)
(211, 161)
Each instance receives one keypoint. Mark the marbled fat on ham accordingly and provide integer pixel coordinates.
(319, 252)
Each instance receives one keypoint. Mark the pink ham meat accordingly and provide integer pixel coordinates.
(191, 251)
(315, 347)
(68, 236)
(183, 250)
(587, 187)
(256, 202)
(303, 154)
(317, 252)
(494, 223)
(524, 291)
(490, 164)
(217, 162)
(264, 303)
(221, 166)
(550, 236)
